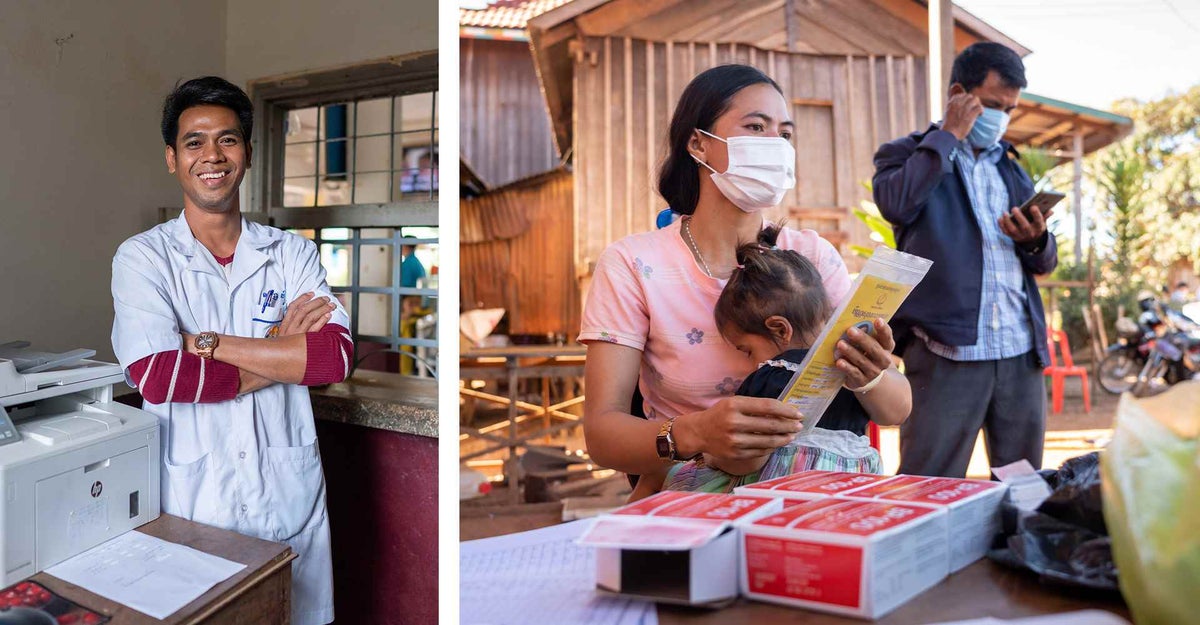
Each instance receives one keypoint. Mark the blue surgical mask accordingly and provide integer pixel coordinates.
(988, 128)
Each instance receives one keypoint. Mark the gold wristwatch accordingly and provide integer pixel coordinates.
(205, 343)
(664, 443)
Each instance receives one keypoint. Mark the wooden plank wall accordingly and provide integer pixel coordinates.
(847, 106)
(504, 128)
(532, 274)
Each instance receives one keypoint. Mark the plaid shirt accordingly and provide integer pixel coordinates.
(1005, 329)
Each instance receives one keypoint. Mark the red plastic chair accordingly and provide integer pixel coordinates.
(873, 434)
(1059, 373)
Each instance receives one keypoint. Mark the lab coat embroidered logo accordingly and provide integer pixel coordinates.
(270, 299)
(97, 488)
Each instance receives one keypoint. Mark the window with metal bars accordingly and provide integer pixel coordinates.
(350, 160)
(386, 279)
(371, 151)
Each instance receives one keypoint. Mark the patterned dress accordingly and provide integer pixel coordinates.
(838, 444)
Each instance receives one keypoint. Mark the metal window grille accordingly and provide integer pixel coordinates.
(346, 280)
(349, 159)
(340, 153)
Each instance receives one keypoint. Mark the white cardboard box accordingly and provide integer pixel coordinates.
(674, 547)
(972, 506)
(811, 485)
(853, 557)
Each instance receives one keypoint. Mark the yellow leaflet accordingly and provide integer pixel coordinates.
(872, 297)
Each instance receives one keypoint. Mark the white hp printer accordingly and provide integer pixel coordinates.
(76, 468)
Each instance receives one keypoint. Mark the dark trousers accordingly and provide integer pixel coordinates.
(952, 400)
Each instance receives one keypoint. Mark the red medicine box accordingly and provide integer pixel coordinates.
(674, 547)
(851, 557)
(972, 506)
(811, 485)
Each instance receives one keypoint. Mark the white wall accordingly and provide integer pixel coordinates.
(82, 166)
(268, 38)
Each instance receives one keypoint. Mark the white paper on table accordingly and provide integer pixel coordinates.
(1083, 617)
(539, 577)
(148, 574)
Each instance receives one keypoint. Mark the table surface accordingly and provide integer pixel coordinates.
(983, 589)
(262, 559)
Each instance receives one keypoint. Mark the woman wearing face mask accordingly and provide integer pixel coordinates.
(648, 320)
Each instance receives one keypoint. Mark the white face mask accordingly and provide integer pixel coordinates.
(760, 171)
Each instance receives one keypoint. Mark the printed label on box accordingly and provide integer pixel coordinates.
(647, 506)
(718, 508)
(674, 520)
(805, 570)
(931, 490)
(820, 482)
(839, 516)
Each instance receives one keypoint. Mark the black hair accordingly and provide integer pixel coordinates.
(769, 281)
(972, 65)
(207, 90)
(703, 100)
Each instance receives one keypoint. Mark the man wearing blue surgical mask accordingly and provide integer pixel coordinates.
(973, 333)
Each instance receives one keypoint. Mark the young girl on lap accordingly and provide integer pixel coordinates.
(772, 309)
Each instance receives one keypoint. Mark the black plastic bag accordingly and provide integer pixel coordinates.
(1065, 539)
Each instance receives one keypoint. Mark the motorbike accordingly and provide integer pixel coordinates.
(1160, 349)
(1125, 359)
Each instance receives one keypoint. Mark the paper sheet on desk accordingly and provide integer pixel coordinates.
(882, 285)
(539, 577)
(148, 574)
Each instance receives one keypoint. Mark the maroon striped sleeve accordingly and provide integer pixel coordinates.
(180, 377)
(330, 351)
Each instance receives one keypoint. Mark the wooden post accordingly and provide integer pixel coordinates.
(512, 465)
(941, 54)
(789, 22)
(1091, 273)
(1077, 192)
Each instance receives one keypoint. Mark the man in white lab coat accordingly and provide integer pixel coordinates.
(205, 330)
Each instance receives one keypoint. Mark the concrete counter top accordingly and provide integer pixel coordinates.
(385, 401)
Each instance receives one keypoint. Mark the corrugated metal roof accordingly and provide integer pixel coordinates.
(506, 13)
(1120, 120)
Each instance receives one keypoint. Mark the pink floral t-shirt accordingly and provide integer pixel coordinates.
(649, 293)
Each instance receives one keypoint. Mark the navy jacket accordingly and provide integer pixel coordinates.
(921, 192)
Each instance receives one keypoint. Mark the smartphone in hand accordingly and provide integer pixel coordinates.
(1042, 201)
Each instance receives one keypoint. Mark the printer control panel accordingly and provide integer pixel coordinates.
(8, 432)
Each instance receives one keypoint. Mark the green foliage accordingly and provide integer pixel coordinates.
(1164, 150)
(1121, 176)
(1145, 196)
(1037, 163)
(881, 230)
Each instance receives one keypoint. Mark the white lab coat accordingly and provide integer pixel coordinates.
(250, 464)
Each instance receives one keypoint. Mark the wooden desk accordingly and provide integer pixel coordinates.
(260, 594)
(551, 361)
(980, 590)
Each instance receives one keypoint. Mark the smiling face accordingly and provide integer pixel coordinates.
(757, 111)
(210, 157)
